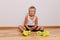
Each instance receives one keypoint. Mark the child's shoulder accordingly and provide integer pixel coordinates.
(26, 16)
(36, 16)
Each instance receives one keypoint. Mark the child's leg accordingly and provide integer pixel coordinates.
(38, 28)
(21, 28)
(41, 28)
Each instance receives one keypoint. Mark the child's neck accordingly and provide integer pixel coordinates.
(31, 16)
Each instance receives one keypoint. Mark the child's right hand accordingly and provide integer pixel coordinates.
(30, 28)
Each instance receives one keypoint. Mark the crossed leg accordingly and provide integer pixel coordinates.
(40, 28)
(21, 28)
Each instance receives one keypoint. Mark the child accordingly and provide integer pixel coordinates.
(31, 21)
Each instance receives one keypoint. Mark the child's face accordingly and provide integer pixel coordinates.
(32, 12)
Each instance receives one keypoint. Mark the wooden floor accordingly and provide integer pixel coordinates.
(14, 34)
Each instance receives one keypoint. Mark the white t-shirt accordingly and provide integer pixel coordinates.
(31, 22)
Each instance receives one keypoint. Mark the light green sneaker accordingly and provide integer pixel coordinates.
(25, 33)
(29, 32)
(39, 33)
(45, 33)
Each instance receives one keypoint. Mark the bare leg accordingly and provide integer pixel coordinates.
(21, 28)
(40, 28)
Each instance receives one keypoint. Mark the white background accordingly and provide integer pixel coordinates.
(12, 12)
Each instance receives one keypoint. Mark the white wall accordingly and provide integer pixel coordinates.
(12, 12)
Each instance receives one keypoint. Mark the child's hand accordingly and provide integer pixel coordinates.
(33, 28)
(30, 28)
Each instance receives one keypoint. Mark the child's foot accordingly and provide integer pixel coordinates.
(26, 32)
(39, 33)
(45, 33)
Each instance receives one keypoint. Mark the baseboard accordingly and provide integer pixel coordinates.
(51, 26)
(16, 27)
(8, 27)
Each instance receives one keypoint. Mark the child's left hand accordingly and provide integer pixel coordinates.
(33, 28)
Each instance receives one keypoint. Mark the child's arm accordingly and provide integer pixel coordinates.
(26, 21)
(36, 23)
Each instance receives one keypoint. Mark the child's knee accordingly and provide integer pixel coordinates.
(42, 27)
(19, 26)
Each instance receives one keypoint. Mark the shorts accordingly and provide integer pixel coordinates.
(31, 26)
